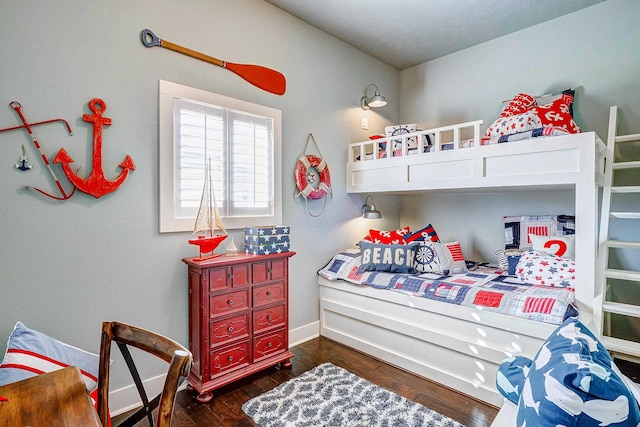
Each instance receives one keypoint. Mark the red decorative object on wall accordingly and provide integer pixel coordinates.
(96, 184)
(28, 126)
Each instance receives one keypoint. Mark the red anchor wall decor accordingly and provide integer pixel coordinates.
(96, 184)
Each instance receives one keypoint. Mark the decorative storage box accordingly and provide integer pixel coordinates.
(266, 240)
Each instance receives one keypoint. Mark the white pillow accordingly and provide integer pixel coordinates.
(455, 263)
(428, 257)
(30, 353)
(440, 258)
(544, 269)
(562, 246)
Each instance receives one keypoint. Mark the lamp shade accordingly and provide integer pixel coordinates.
(369, 211)
(375, 101)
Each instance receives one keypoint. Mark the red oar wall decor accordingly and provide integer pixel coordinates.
(262, 77)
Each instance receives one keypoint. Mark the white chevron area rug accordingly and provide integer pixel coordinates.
(334, 397)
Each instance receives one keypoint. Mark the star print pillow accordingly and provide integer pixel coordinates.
(513, 124)
(543, 269)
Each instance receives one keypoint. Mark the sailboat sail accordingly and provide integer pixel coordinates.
(207, 221)
(208, 218)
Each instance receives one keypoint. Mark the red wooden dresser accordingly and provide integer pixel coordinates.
(238, 318)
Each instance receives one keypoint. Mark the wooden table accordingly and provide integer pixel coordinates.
(54, 399)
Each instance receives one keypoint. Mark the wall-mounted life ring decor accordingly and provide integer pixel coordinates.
(313, 180)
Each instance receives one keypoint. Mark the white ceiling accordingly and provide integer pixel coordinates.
(403, 33)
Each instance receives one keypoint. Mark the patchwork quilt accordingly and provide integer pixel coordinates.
(482, 287)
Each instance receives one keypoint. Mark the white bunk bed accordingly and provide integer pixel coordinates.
(457, 346)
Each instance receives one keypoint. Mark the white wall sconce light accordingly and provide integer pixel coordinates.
(369, 211)
(375, 101)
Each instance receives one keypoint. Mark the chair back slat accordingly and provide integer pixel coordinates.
(178, 358)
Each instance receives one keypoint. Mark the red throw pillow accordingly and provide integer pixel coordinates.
(558, 114)
(521, 103)
(394, 237)
(427, 234)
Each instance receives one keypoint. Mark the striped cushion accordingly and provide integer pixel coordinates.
(455, 263)
(30, 353)
(427, 234)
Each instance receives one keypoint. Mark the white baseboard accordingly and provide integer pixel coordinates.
(304, 333)
(127, 398)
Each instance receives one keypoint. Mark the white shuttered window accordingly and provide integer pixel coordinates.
(241, 139)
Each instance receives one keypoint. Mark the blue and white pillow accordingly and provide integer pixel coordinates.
(512, 372)
(393, 258)
(572, 381)
(30, 353)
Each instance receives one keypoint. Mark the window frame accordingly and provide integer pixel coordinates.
(168, 91)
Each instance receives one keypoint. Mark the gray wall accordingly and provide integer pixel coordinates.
(68, 266)
(595, 50)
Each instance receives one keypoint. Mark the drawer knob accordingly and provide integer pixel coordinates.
(230, 358)
(230, 329)
(268, 270)
(268, 293)
(230, 302)
(269, 344)
(269, 317)
(230, 276)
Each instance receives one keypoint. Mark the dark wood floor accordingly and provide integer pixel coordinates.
(225, 408)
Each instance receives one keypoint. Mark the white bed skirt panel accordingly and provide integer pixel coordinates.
(459, 347)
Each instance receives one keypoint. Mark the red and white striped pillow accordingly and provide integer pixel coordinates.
(30, 353)
(456, 263)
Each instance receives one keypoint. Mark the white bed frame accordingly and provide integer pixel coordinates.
(461, 347)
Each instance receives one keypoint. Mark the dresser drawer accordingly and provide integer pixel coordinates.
(229, 358)
(268, 318)
(228, 303)
(269, 270)
(268, 294)
(240, 275)
(227, 330)
(226, 277)
(269, 344)
(218, 279)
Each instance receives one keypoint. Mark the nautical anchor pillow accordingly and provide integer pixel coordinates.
(572, 381)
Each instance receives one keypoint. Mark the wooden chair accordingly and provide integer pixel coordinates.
(176, 355)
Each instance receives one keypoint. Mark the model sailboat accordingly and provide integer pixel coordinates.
(207, 222)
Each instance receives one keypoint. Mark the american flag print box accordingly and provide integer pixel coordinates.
(266, 240)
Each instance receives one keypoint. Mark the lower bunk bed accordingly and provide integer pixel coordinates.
(455, 345)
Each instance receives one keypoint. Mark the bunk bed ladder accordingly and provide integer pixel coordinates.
(619, 287)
